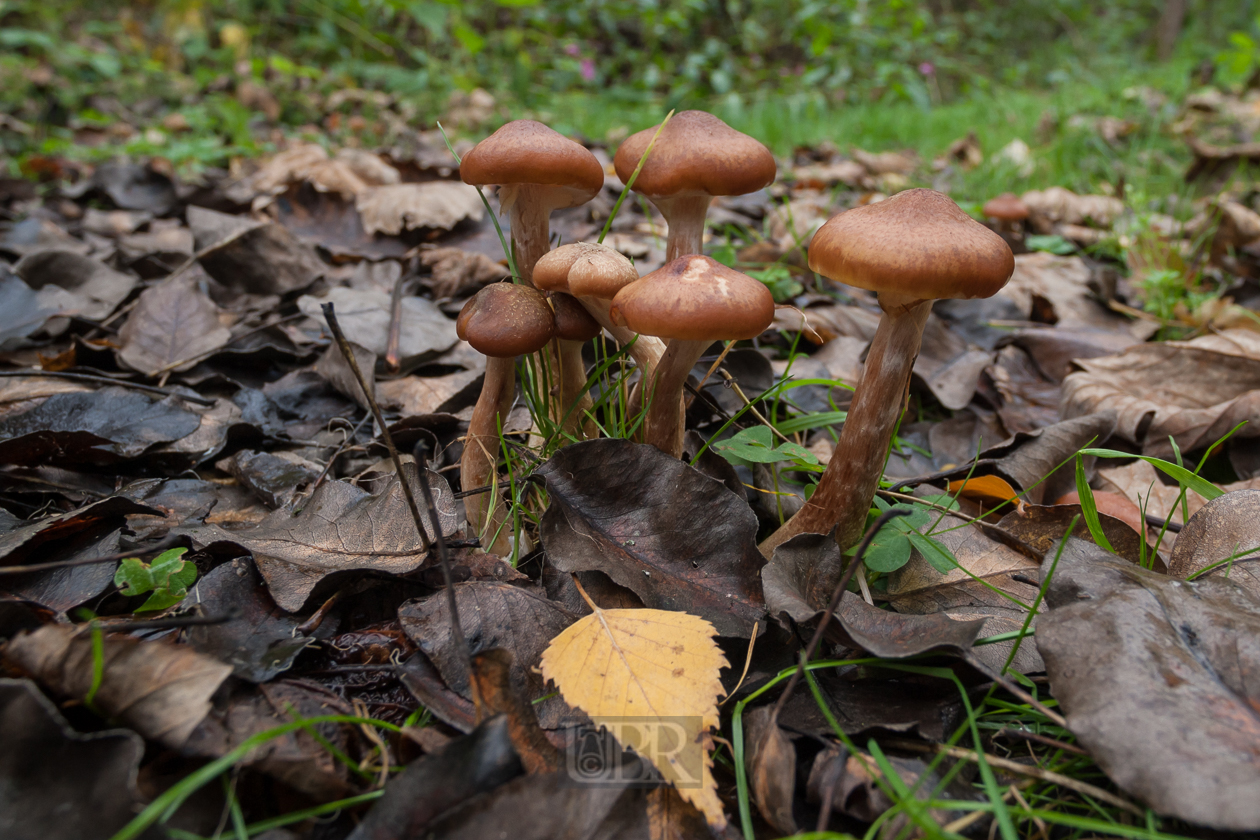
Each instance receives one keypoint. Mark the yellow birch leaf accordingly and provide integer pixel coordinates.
(651, 678)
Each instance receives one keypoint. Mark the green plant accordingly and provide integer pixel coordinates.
(167, 577)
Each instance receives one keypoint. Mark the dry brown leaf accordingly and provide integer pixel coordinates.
(1063, 282)
(172, 327)
(393, 208)
(160, 690)
(1059, 205)
(1194, 391)
(456, 271)
(617, 665)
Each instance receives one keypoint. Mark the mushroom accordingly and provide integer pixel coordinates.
(696, 158)
(574, 327)
(502, 321)
(692, 301)
(1009, 212)
(538, 170)
(913, 248)
(593, 274)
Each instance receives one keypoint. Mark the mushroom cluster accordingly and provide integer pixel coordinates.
(913, 248)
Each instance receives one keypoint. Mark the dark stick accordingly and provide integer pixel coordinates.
(971, 659)
(395, 325)
(171, 623)
(331, 317)
(105, 380)
(841, 587)
(90, 561)
(457, 629)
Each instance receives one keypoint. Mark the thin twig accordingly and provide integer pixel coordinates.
(975, 662)
(1083, 788)
(105, 380)
(173, 623)
(457, 629)
(841, 587)
(167, 543)
(1045, 740)
(330, 316)
(392, 363)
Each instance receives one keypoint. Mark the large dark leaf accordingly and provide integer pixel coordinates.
(492, 615)
(58, 784)
(342, 528)
(98, 427)
(23, 310)
(173, 322)
(1160, 681)
(258, 258)
(679, 539)
(95, 288)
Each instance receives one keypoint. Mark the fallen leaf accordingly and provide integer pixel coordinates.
(172, 322)
(440, 205)
(59, 784)
(364, 318)
(94, 288)
(250, 256)
(456, 272)
(657, 666)
(492, 615)
(1057, 204)
(948, 365)
(340, 529)
(1040, 526)
(1157, 678)
(24, 311)
(1064, 284)
(1194, 391)
(160, 690)
(771, 762)
(133, 186)
(1222, 529)
(274, 477)
(987, 488)
(678, 538)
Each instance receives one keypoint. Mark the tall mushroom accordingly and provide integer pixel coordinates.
(913, 248)
(502, 321)
(696, 158)
(692, 301)
(538, 170)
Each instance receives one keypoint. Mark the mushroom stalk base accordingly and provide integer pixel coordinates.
(486, 512)
(573, 397)
(685, 215)
(848, 486)
(663, 425)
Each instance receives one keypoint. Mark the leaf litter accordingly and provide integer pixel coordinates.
(309, 593)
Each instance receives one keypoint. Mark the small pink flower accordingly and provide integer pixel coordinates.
(926, 68)
(572, 50)
(588, 69)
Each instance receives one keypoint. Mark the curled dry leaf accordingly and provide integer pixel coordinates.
(1157, 677)
(1222, 541)
(92, 289)
(678, 538)
(341, 529)
(771, 763)
(1194, 391)
(160, 690)
(1060, 205)
(660, 666)
(393, 208)
(172, 327)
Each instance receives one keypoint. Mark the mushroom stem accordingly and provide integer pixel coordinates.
(486, 512)
(572, 393)
(848, 485)
(663, 425)
(646, 351)
(685, 215)
(529, 214)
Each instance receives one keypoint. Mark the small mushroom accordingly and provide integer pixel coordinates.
(538, 170)
(502, 321)
(692, 301)
(574, 327)
(593, 274)
(913, 248)
(696, 158)
(1010, 213)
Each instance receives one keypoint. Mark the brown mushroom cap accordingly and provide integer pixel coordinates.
(697, 154)
(695, 298)
(506, 319)
(528, 152)
(573, 322)
(585, 269)
(1006, 208)
(918, 244)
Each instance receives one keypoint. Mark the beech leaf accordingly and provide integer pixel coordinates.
(619, 665)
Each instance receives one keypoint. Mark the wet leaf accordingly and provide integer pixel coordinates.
(618, 664)
(160, 690)
(56, 783)
(678, 538)
(341, 529)
(1158, 679)
(172, 322)
(94, 288)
